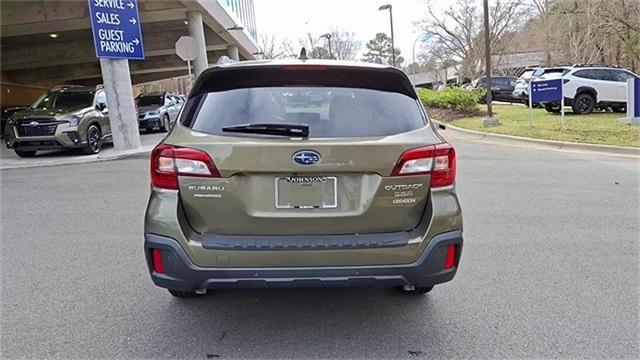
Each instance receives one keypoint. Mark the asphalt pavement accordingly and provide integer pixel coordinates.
(549, 270)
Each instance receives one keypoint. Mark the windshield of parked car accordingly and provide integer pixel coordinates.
(328, 111)
(63, 99)
(150, 100)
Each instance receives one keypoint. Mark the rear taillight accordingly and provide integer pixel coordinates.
(156, 261)
(437, 160)
(450, 259)
(168, 162)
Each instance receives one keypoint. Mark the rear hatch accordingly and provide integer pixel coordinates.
(251, 168)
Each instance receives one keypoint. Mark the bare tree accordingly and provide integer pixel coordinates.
(443, 59)
(343, 45)
(606, 31)
(274, 48)
(459, 30)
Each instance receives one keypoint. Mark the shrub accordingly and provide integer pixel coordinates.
(451, 98)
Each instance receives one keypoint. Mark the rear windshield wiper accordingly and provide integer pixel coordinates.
(270, 129)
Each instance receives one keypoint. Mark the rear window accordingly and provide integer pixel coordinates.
(330, 112)
(149, 100)
(554, 70)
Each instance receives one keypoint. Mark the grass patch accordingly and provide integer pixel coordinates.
(595, 128)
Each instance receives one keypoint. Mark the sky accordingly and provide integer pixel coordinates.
(292, 19)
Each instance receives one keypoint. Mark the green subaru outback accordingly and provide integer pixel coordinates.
(302, 173)
(67, 116)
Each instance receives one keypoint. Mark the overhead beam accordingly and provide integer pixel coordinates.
(74, 72)
(42, 27)
(20, 63)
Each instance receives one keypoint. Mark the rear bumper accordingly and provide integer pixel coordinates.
(180, 273)
(30, 145)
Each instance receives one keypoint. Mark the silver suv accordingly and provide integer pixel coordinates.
(157, 110)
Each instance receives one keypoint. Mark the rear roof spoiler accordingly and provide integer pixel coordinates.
(221, 78)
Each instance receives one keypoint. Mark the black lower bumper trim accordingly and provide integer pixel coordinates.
(29, 145)
(181, 274)
(149, 123)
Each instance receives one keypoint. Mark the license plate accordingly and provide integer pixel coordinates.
(306, 192)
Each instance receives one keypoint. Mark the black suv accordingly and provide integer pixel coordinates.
(501, 87)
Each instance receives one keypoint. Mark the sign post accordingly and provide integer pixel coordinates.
(117, 37)
(547, 91)
(186, 49)
(536, 73)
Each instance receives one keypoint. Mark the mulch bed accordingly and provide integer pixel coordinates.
(446, 115)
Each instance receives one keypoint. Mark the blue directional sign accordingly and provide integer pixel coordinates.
(546, 90)
(116, 29)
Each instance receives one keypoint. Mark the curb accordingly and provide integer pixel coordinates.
(141, 152)
(115, 155)
(560, 145)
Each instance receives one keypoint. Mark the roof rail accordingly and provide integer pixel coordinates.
(59, 87)
(224, 59)
(595, 65)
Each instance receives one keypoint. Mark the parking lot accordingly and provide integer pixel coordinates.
(9, 160)
(399, 179)
(549, 270)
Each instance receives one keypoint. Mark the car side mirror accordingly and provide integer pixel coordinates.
(101, 107)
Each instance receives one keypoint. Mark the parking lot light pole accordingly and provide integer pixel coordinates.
(490, 120)
(393, 47)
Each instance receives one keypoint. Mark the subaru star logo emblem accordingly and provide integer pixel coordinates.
(306, 157)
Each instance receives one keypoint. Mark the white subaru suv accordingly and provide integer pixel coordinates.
(589, 87)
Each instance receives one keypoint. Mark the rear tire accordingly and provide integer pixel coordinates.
(418, 290)
(25, 153)
(583, 103)
(166, 124)
(183, 294)
(552, 107)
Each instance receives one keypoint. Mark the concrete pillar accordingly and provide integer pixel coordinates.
(232, 52)
(122, 113)
(196, 30)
